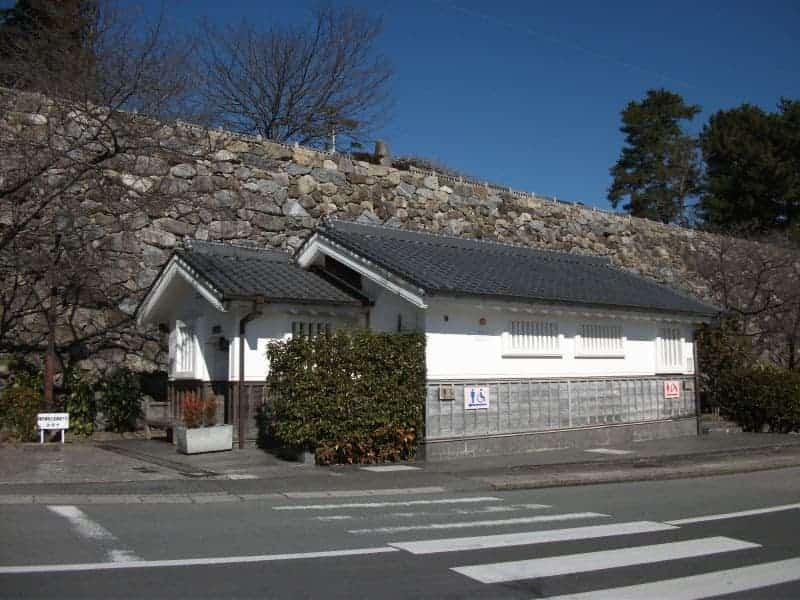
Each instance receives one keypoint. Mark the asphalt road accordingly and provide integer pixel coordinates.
(637, 540)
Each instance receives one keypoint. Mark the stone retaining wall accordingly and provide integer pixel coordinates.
(220, 186)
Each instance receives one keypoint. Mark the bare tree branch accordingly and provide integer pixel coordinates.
(80, 131)
(298, 84)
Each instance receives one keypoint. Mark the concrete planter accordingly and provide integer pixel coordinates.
(204, 439)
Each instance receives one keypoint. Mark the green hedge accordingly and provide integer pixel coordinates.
(121, 400)
(351, 396)
(762, 397)
(755, 396)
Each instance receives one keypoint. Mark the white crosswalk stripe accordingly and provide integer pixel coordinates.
(596, 561)
(491, 512)
(736, 515)
(707, 585)
(500, 509)
(488, 523)
(502, 540)
(388, 504)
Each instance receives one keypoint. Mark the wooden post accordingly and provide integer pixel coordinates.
(697, 407)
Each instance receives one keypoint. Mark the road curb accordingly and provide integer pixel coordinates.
(510, 483)
(207, 498)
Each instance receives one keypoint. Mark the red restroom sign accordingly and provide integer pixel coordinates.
(672, 389)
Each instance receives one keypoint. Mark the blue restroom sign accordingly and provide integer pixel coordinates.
(476, 398)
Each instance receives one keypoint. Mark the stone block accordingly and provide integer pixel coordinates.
(183, 170)
(292, 208)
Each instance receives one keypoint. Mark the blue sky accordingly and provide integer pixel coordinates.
(528, 94)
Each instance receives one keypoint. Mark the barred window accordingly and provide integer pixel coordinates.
(670, 348)
(600, 340)
(532, 338)
(310, 328)
(184, 348)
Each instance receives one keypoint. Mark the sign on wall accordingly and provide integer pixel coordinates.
(672, 389)
(476, 398)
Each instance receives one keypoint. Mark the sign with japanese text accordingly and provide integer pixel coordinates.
(52, 421)
(672, 389)
(476, 398)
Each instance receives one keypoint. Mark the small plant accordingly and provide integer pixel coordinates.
(21, 401)
(198, 412)
(20, 405)
(121, 402)
(79, 402)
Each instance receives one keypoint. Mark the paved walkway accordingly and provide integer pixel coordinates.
(133, 471)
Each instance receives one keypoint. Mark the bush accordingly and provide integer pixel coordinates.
(757, 397)
(763, 397)
(20, 404)
(351, 396)
(266, 431)
(121, 400)
(79, 402)
(22, 400)
(722, 353)
(385, 444)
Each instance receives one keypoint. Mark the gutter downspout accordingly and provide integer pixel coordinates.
(697, 406)
(243, 404)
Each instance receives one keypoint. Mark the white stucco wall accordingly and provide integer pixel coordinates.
(387, 307)
(461, 348)
(218, 360)
(276, 324)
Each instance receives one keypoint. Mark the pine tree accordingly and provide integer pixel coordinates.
(752, 167)
(658, 168)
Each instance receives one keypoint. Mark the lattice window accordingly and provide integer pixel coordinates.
(184, 348)
(596, 339)
(532, 338)
(310, 328)
(670, 348)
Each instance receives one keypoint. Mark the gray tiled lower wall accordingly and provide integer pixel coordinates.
(542, 405)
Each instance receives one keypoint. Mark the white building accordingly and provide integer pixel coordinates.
(565, 349)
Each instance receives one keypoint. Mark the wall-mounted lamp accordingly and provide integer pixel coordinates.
(482, 321)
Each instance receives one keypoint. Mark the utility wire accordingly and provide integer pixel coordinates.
(554, 39)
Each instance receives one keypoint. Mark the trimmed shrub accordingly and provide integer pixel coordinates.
(385, 444)
(352, 396)
(763, 397)
(755, 396)
(721, 352)
(121, 400)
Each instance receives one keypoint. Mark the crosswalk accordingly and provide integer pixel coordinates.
(530, 535)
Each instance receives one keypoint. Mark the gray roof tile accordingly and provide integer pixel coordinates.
(237, 271)
(456, 266)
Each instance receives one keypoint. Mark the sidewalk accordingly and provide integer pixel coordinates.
(133, 471)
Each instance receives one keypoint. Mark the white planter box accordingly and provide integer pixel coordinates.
(204, 439)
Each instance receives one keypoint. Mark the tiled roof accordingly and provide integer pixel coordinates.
(456, 266)
(237, 272)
